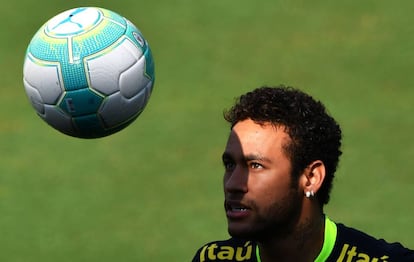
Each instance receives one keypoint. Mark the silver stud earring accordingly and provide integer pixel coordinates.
(309, 194)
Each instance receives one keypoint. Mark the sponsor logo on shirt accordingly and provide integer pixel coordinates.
(229, 253)
(351, 254)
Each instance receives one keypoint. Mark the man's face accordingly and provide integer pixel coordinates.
(261, 199)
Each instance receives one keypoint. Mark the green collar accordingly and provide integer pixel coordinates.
(328, 242)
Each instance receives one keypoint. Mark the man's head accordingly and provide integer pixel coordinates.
(314, 134)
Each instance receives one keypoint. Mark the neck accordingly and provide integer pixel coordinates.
(302, 245)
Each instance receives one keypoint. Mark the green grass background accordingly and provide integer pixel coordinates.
(153, 191)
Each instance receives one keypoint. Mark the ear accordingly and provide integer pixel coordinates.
(313, 177)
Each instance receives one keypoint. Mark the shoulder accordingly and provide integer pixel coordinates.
(232, 249)
(352, 244)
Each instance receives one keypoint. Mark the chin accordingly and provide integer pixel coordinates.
(250, 232)
(242, 232)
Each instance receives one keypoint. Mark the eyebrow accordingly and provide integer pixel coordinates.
(248, 157)
(251, 157)
(226, 155)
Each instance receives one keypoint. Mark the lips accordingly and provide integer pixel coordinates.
(236, 209)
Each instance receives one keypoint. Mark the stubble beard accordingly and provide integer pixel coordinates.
(276, 221)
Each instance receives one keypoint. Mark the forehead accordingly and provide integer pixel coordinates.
(248, 137)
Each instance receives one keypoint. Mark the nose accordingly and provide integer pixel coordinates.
(236, 180)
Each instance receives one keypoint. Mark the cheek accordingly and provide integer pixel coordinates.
(271, 188)
(269, 181)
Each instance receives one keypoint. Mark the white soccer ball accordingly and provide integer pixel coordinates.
(88, 72)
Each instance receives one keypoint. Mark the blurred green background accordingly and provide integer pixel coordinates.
(153, 191)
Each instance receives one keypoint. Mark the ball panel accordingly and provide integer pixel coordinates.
(34, 97)
(132, 80)
(47, 49)
(104, 69)
(80, 102)
(117, 109)
(149, 64)
(58, 119)
(89, 126)
(45, 77)
(131, 49)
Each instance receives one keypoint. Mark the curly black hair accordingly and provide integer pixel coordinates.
(314, 133)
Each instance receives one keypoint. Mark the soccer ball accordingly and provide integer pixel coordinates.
(88, 72)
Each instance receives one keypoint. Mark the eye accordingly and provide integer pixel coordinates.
(228, 165)
(255, 165)
(228, 162)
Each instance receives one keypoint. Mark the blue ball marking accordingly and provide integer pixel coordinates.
(65, 24)
(89, 125)
(80, 102)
